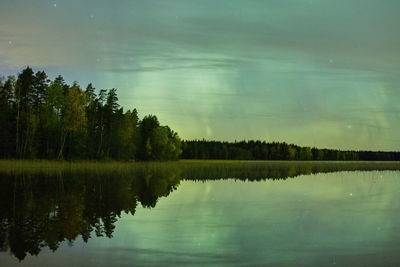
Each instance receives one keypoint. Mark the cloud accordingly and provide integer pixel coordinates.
(280, 67)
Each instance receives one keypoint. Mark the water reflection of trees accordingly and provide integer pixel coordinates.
(41, 208)
(278, 170)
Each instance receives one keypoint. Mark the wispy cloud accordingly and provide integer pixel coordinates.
(288, 70)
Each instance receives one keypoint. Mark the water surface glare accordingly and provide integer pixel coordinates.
(336, 218)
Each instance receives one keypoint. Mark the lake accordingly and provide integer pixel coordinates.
(200, 213)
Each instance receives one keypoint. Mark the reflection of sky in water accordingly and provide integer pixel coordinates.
(285, 70)
(335, 218)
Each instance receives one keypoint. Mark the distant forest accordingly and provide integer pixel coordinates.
(42, 118)
(258, 150)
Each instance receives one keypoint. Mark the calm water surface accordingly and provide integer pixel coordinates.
(170, 217)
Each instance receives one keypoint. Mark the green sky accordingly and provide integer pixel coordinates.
(317, 73)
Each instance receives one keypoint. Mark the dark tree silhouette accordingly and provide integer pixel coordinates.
(40, 118)
(257, 150)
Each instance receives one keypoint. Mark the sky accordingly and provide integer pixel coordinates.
(313, 73)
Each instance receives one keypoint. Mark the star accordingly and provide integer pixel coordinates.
(351, 194)
(10, 42)
(349, 126)
(55, 5)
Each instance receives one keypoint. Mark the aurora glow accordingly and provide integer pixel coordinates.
(315, 73)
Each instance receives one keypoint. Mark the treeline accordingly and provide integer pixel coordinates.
(42, 118)
(257, 150)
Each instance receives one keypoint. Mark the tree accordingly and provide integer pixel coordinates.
(112, 117)
(54, 102)
(126, 140)
(99, 103)
(7, 110)
(147, 125)
(24, 99)
(40, 84)
(91, 114)
(74, 118)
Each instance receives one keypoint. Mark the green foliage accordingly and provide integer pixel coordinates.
(165, 144)
(50, 119)
(74, 117)
(73, 121)
(54, 99)
(158, 142)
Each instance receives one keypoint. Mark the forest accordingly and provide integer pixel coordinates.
(261, 150)
(49, 119)
(41, 118)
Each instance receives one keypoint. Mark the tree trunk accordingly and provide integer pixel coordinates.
(17, 133)
(63, 138)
